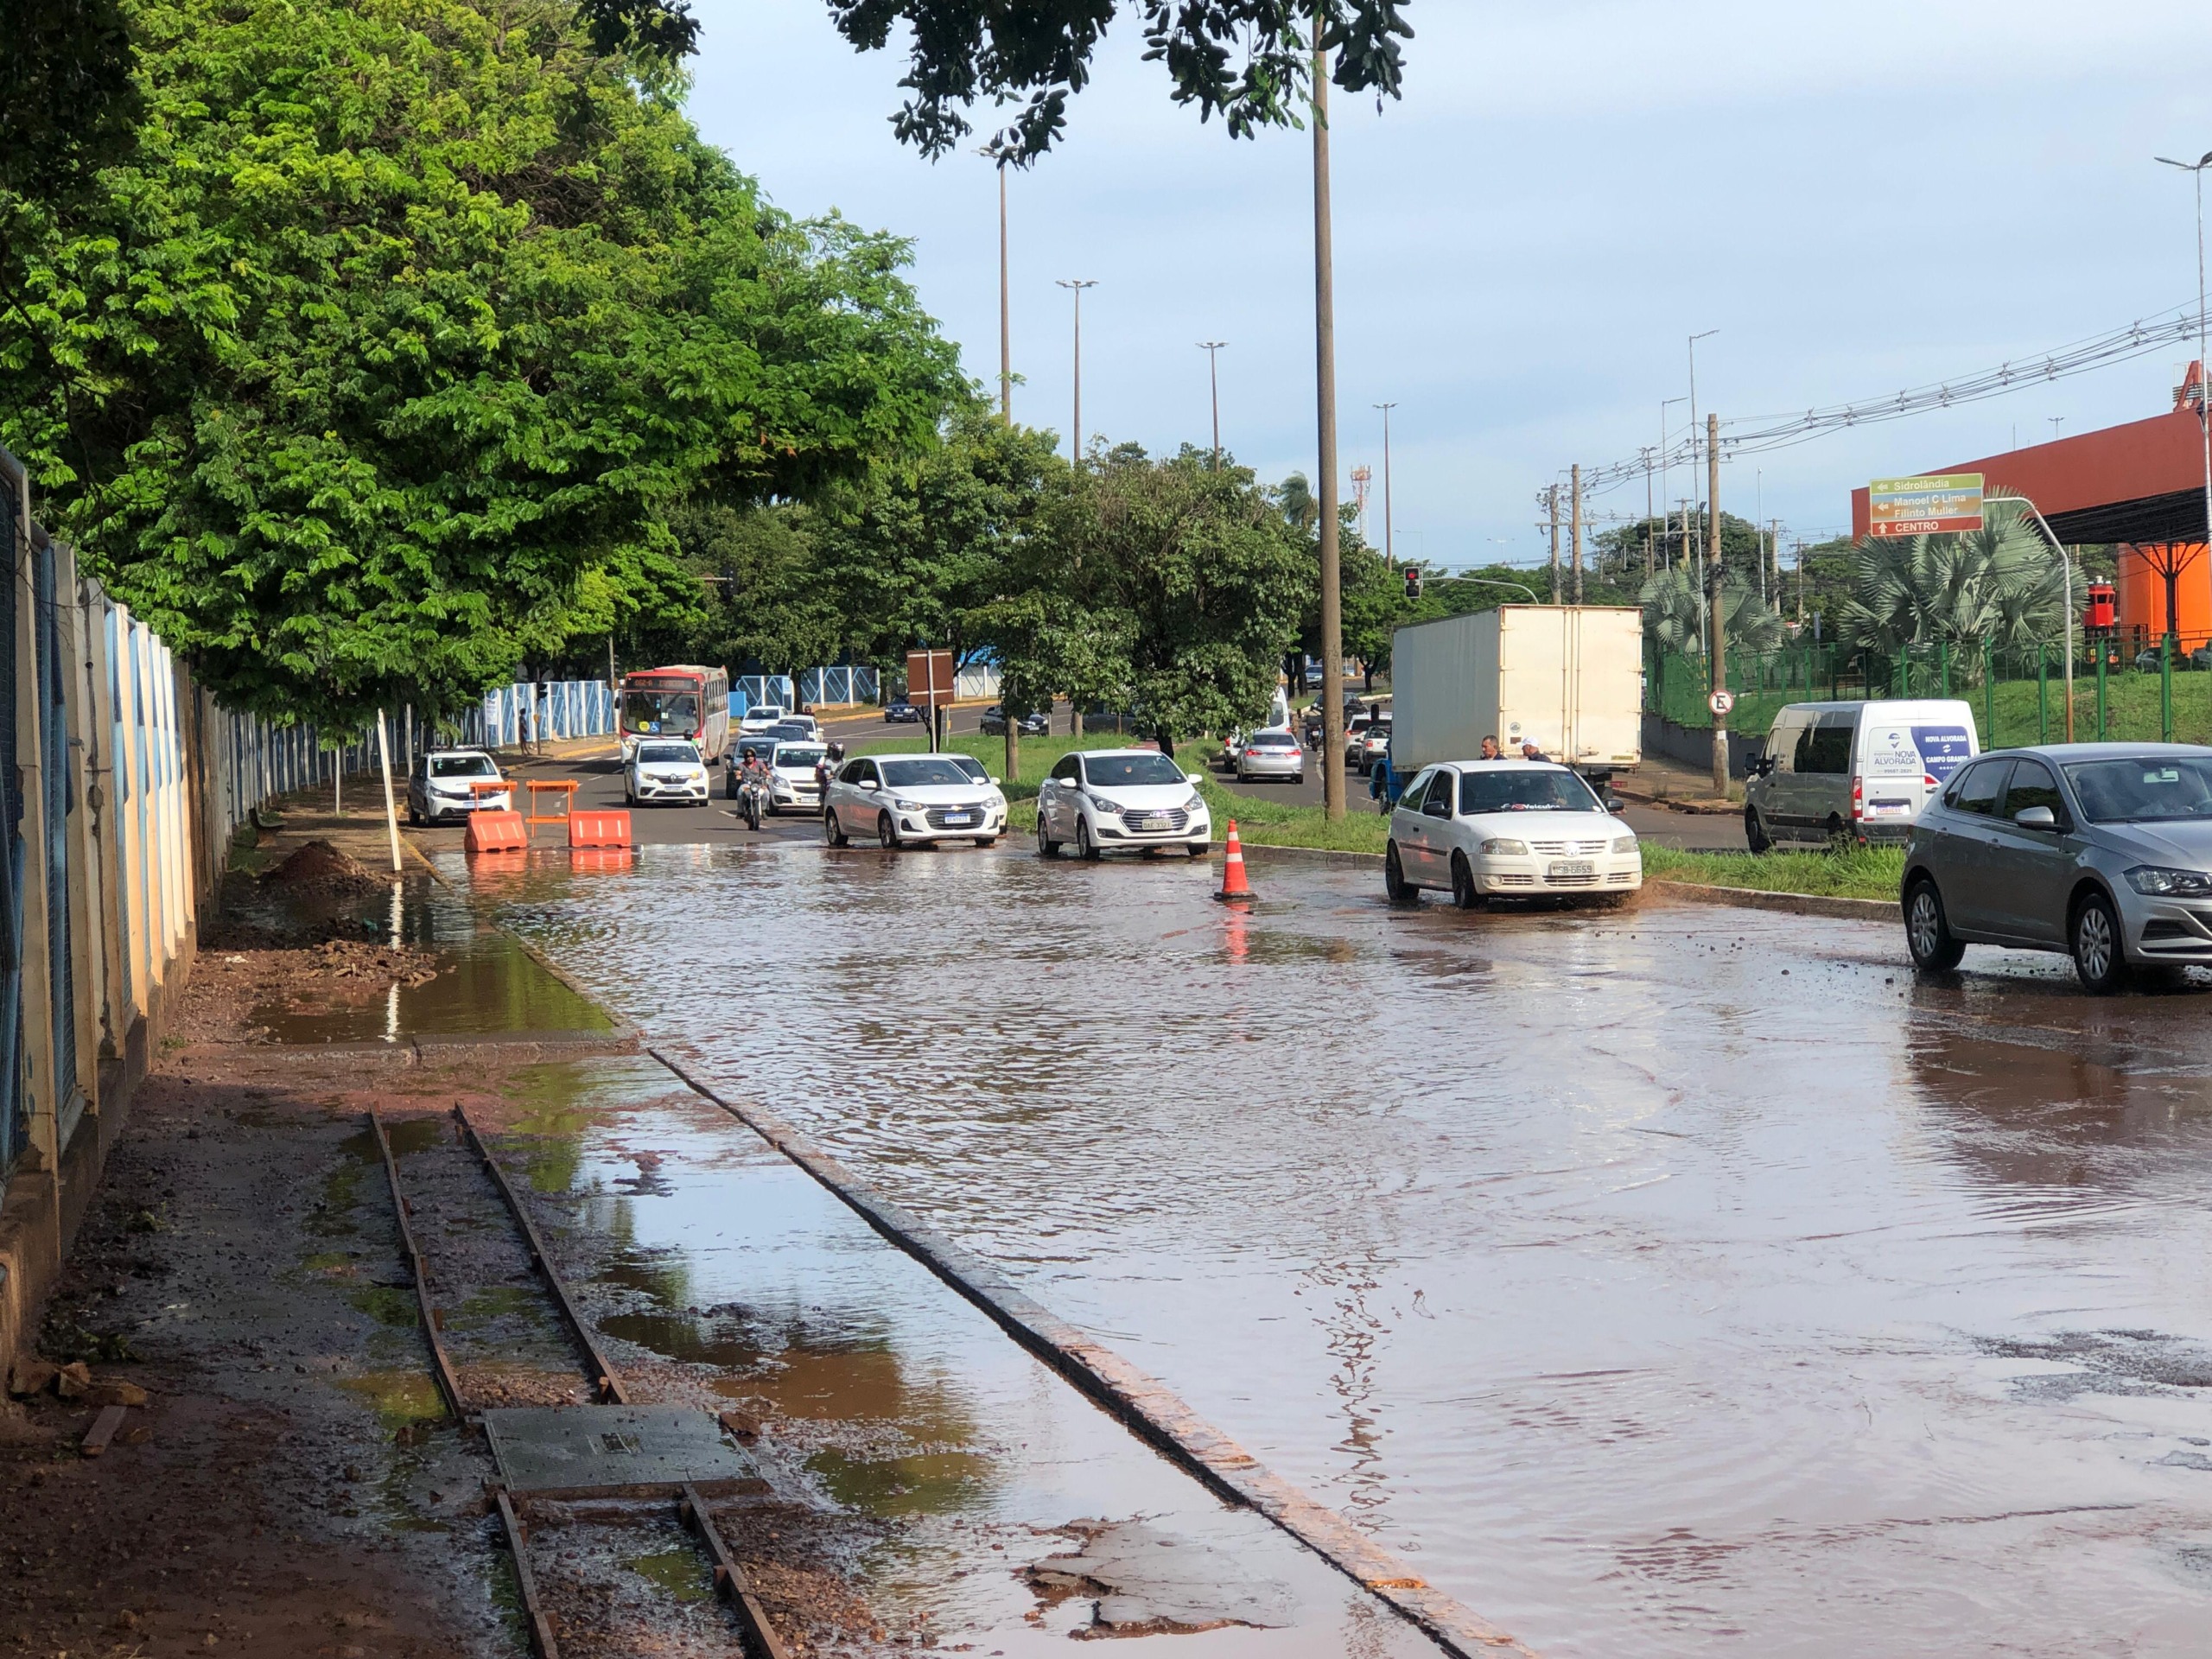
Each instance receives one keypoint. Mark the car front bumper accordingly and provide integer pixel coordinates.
(1115, 834)
(1530, 877)
(687, 789)
(443, 806)
(2159, 929)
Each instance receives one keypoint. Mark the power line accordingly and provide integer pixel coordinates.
(1756, 433)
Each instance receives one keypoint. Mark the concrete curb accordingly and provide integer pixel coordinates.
(1140, 1402)
(1797, 904)
(1333, 854)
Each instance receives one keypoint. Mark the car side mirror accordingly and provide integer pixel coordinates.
(1193, 778)
(1613, 803)
(993, 782)
(2036, 818)
(1765, 766)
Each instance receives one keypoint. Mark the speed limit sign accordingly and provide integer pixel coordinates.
(1721, 701)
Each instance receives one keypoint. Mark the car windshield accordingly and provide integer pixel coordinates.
(659, 711)
(1130, 771)
(791, 729)
(1518, 791)
(462, 765)
(799, 754)
(972, 767)
(1275, 741)
(668, 754)
(2154, 789)
(923, 775)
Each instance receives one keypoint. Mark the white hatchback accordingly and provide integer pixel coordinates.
(759, 717)
(907, 800)
(663, 770)
(1121, 800)
(1507, 830)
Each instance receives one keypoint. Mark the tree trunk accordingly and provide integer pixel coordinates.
(1166, 739)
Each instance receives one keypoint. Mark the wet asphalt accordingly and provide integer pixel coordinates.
(1657, 1280)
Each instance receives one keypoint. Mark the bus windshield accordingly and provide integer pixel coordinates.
(660, 711)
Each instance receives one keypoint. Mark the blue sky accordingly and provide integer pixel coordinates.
(1859, 196)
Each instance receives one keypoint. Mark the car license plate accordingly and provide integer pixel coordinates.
(1147, 822)
(1891, 808)
(956, 817)
(1559, 866)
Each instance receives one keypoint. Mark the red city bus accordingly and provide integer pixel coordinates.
(685, 701)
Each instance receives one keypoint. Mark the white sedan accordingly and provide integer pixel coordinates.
(664, 771)
(907, 800)
(1271, 754)
(1121, 800)
(1507, 829)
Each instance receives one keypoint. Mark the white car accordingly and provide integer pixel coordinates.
(909, 800)
(1271, 754)
(443, 784)
(1507, 829)
(1120, 800)
(791, 786)
(759, 717)
(664, 770)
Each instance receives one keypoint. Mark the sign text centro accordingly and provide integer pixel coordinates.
(1924, 507)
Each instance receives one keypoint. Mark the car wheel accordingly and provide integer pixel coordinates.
(887, 833)
(1046, 846)
(414, 817)
(1399, 891)
(1839, 837)
(832, 831)
(982, 841)
(1198, 849)
(1755, 835)
(1462, 884)
(1927, 936)
(2098, 958)
(1085, 848)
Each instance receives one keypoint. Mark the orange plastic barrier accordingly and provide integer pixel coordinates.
(497, 832)
(1235, 889)
(599, 828)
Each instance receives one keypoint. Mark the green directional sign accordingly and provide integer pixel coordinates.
(1924, 507)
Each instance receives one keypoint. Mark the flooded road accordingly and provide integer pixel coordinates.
(1658, 1280)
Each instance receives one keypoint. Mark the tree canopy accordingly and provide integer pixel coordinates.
(1248, 61)
(379, 361)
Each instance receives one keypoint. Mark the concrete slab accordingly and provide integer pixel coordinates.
(619, 1451)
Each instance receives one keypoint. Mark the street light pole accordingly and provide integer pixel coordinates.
(1389, 553)
(1212, 349)
(1325, 389)
(1077, 284)
(2195, 170)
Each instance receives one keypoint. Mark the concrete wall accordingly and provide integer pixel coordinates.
(1694, 744)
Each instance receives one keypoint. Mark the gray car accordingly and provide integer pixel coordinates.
(2101, 850)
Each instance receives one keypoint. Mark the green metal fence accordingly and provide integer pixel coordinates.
(2126, 690)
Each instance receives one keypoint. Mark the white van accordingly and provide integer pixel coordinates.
(1853, 772)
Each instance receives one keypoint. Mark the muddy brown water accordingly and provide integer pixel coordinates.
(1654, 1280)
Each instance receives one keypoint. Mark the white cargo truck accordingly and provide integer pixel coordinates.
(1567, 677)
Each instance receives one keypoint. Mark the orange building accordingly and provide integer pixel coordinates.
(2140, 487)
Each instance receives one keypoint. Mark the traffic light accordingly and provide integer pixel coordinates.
(1412, 582)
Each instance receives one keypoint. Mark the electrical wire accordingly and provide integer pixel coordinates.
(1756, 435)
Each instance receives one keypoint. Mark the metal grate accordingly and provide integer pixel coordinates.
(1567, 849)
(54, 775)
(973, 817)
(1166, 821)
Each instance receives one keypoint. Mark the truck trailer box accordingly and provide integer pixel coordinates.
(1568, 677)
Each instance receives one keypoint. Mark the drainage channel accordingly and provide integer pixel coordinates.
(565, 1454)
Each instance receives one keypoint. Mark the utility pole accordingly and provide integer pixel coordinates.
(1647, 516)
(1390, 555)
(1713, 606)
(2195, 170)
(1325, 392)
(1758, 513)
(1006, 329)
(1575, 473)
(1212, 349)
(1077, 284)
(1683, 559)
(1551, 497)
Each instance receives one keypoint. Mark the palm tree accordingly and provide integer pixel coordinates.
(1674, 614)
(1997, 584)
(1295, 497)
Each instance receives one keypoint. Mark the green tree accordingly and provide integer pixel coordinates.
(1189, 581)
(1677, 612)
(406, 317)
(1999, 584)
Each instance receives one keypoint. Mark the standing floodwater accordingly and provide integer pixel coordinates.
(1654, 1280)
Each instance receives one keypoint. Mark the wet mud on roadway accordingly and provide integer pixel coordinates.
(1657, 1280)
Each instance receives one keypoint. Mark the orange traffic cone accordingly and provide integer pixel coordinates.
(1234, 890)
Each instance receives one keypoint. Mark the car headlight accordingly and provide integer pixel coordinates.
(2189, 884)
(907, 806)
(1625, 844)
(1196, 804)
(1502, 847)
(1105, 805)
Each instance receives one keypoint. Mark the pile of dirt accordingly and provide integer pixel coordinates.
(319, 868)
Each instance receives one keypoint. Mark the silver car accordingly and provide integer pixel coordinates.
(2101, 850)
(1271, 754)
